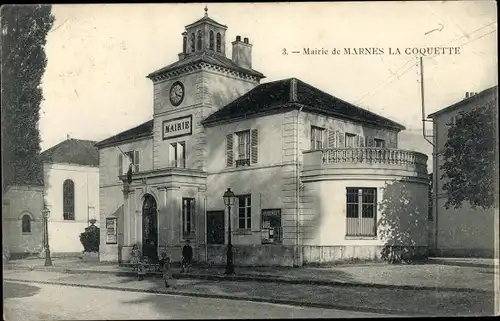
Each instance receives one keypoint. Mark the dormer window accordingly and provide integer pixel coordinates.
(199, 40)
(212, 40)
(192, 42)
(219, 42)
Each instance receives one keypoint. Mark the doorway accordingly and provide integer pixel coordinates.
(215, 227)
(150, 228)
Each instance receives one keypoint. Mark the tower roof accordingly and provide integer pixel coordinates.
(206, 19)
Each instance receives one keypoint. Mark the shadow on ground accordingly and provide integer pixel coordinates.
(18, 290)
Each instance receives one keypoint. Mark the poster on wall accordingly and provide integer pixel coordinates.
(111, 237)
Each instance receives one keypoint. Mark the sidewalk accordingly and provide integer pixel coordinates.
(398, 302)
(443, 274)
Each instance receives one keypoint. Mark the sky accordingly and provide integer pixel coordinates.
(99, 55)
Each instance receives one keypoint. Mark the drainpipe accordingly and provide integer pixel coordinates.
(297, 225)
(436, 187)
(206, 246)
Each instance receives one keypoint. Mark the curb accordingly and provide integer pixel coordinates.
(227, 297)
(251, 278)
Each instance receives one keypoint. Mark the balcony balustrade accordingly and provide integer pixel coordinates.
(371, 159)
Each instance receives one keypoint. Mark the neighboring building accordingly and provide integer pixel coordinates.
(317, 179)
(22, 220)
(464, 231)
(71, 177)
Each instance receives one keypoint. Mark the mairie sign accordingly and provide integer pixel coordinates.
(177, 127)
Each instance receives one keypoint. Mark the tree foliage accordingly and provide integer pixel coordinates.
(90, 239)
(469, 168)
(23, 38)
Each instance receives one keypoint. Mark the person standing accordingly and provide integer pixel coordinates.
(136, 257)
(187, 256)
(141, 269)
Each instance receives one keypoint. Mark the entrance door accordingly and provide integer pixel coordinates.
(215, 227)
(150, 228)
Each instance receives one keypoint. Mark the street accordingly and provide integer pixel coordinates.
(31, 301)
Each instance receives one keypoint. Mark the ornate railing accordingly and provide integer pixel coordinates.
(373, 156)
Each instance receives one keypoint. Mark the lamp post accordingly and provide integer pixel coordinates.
(229, 201)
(45, 216)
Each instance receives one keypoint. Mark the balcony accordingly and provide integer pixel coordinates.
(381, 162)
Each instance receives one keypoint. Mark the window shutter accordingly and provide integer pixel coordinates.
(120, 164)
(340, 139)
(331, 139)
(229, 150)
(136, 160)
(370, 142)
(393, 141)
(193, 215)
(254, 146)
(361, 141)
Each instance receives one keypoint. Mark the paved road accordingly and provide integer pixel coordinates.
(34, 301)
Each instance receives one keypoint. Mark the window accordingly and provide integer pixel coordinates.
(271, 226)
(26, 223)
(316, 137)
(188, 210)
(133, 157)
(219, 42)
(243, 152)
(350, 140)
(199, 40)
(192, 42)
(68, 200)
(178, 154)
(380, 143)
(212, 40)
(244, 212)
(361, 211)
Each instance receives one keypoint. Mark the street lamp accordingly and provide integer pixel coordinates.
(229, 201)
(45, 217)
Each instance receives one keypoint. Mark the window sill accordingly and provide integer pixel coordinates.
(26, 233)
(360, 237)
(242, 232)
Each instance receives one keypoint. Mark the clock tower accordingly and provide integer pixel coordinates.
(200, 82)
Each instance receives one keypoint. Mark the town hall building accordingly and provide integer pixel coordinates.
(316, 178)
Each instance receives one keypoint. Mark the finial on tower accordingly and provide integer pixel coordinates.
(206, 11)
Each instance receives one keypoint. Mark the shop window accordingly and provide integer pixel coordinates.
(272, 232)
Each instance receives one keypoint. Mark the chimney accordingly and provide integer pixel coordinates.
(242, 53)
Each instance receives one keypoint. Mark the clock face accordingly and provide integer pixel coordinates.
(176, 93)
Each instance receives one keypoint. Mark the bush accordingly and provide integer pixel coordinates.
(90, 239)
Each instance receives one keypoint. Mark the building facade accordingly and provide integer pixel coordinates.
(316, 179)
(22, 220)
(463, 231)
(71, 179)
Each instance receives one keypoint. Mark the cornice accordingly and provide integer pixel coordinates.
(202, 66)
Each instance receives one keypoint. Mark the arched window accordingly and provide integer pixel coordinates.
(199, 40)
(26, 223)
(219, 44)
(69, 200)
(212, 40)
(192, 42)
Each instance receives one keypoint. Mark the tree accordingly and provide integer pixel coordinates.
(23, 38)
(469, 167)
